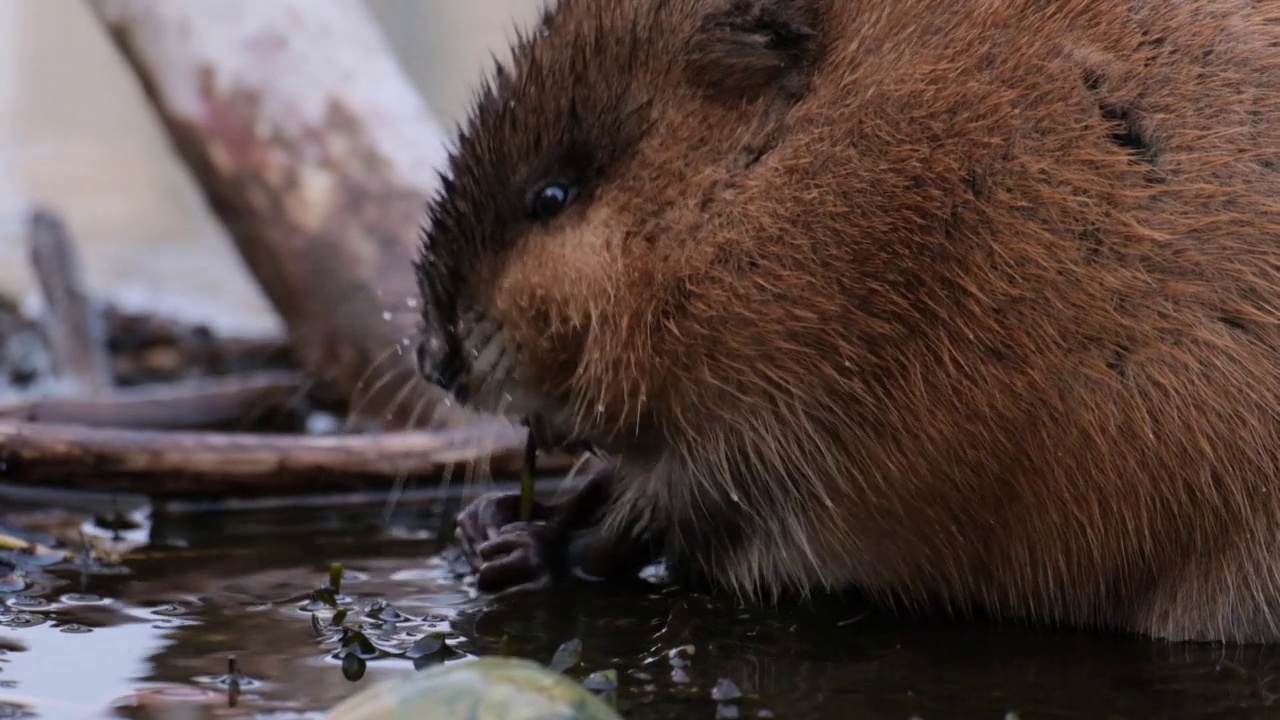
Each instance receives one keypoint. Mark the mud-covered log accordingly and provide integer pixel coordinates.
(318, 155)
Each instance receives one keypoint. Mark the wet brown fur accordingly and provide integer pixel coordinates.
(968, 304)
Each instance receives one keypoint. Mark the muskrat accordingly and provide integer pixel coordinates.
(963, 305)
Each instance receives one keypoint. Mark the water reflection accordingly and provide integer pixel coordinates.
(165, 634)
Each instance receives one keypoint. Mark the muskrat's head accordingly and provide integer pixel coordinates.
(561, 252)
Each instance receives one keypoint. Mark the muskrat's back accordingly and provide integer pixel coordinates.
(967, 302)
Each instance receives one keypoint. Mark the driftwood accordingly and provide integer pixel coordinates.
(172, 464)
(77, 337)
(318, 155)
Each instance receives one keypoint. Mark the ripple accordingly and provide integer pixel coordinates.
(84, 599)
(21, 620)
(166, 695)
(171, 610)
(175, 623)
(75, 629)
(244, 681)
(28, 603)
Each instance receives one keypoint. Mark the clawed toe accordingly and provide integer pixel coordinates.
(513, 561)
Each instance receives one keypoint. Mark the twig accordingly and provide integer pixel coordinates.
(77, 336)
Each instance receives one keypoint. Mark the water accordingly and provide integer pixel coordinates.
(91, 643)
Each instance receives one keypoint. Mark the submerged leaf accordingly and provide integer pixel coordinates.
(568, 655)
(426, 646)
(353, 667)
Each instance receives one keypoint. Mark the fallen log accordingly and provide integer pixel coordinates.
(175, 464)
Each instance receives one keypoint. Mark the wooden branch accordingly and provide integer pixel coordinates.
(73, 326)
(203, 402)
(318, 155)
(203, 464)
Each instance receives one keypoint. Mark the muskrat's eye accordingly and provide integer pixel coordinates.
(550, 200)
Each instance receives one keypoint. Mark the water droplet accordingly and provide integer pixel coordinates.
(411, 302)
(386, 315)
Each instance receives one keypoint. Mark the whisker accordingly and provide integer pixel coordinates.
(446, 479)
(573, 472)
(414, 379)
(397, 488)
(373, 366)
(386, 378)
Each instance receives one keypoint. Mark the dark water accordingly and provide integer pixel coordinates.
(77, 642)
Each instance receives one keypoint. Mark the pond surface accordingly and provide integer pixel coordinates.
(153, 639)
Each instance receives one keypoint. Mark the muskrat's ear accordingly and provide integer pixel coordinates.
(749, 46)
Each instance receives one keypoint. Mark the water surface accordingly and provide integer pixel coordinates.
(79, 642)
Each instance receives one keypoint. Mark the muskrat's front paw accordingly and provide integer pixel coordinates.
(484, 519)
(515, 560)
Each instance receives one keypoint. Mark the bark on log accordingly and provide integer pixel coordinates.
(318, 155)
(170, 464)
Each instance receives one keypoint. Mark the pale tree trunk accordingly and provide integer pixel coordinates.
(319, 156)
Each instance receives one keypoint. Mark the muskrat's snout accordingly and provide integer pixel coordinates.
(440, 355)
(441, 362)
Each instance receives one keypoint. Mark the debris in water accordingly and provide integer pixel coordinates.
(601, 681)
(725, 691)
(568, 655)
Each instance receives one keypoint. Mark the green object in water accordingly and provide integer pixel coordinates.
(486, 689)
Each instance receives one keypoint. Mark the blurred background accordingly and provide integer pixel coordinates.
(76, 133)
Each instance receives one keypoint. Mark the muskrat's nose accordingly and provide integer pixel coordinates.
(441, 362)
